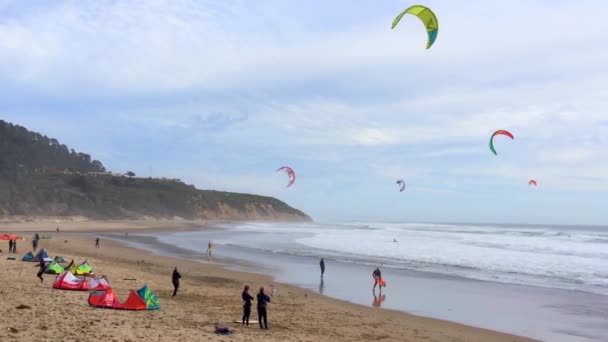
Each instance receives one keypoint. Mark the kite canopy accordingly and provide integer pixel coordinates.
(532, 182)
(499, 132)
(143, 299)
(290, 173)
(54, 268)
(68, 281)
(28, 257)
(401, 184)
(10, 237)
(42, 255)
(427, 17)
(82, 269)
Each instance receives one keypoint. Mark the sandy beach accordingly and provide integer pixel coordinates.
(209, 294)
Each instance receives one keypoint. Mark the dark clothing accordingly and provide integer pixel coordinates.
(322, 264)
(246, 314)
(247, 298)
(263, 318)
(97, 243)
(14, 246)
(41, 271)
(377, 273)
(175, 279)
(263, 300)
(34, 244)
(10, 246)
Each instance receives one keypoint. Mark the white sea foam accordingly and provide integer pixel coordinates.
(561, 257)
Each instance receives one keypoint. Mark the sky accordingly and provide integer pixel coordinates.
(222, 93)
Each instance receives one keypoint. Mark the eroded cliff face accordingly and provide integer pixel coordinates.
(251, 212)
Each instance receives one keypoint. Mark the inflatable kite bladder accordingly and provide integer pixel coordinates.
(68, 281)
(142, 299)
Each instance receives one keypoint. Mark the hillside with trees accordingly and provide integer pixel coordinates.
(41, 177)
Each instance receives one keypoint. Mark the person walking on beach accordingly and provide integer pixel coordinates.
(322, 265)
(263, 300)
(97, 243)
(209, 248)
(35, 244)
(377, 276)
(247, 298)
(42, 269)
(175, 280)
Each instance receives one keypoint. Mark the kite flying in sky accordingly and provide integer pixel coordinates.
(290, 173)
(499, 132)
(401, 185)
(427, 17)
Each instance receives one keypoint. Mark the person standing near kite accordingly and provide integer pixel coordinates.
(322, 265)
(10, 246)
(175, 280)
(377, 275)
(263, 300)
(42, 269)
(247, 298)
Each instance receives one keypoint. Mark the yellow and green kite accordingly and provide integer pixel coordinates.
(428, 19)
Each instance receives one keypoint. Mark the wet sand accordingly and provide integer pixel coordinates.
(210, 293)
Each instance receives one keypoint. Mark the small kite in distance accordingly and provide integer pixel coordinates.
(532, 182)
(401, 185)
(290, 173)
(499, 132)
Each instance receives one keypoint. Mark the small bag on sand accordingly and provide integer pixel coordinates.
(222, 330)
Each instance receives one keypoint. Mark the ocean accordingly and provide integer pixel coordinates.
(563, 257)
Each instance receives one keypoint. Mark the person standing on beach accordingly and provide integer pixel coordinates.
(42, 269)
(14, 246)
(97, 243)
(322, 265)
(377, 276)
(247, 298)
(35, 244)
(175, 280)
(209, 248)
(263, 300)
(10, 246)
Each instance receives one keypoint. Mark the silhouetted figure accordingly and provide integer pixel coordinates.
(175, 280)
(97, 243)
(42, 269)
(322, 265)
(14, 246)
(263, 300)
(377, 276)
(247, 298)
(10, 246)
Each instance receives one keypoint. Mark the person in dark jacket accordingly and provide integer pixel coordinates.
(10, 246)
(322, 265)
(42, 269)
(14, 246)
(97, 243)
(247, 298)
(175, 279)
(263, 300)
(377, 276)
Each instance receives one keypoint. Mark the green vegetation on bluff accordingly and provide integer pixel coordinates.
(40, 177)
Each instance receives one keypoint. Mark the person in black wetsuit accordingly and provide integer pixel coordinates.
(10, 246)
(175, 279)
(263, 300)
(322, 265)
(42, 269)
(247, 298)
(377, 275)
(97, 243)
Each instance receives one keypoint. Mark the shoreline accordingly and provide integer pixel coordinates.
(298, 314)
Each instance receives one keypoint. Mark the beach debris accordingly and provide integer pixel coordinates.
(427, 17)
(13, 330)
(222, 330)
(44, 327)
(129, 279)
(290, 173)
(22, 306)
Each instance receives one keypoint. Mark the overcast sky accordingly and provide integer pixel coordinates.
(222, 93)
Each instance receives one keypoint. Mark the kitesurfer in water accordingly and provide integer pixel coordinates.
(175, 280)
(377, 276)
(247, 298)
(322, 265)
